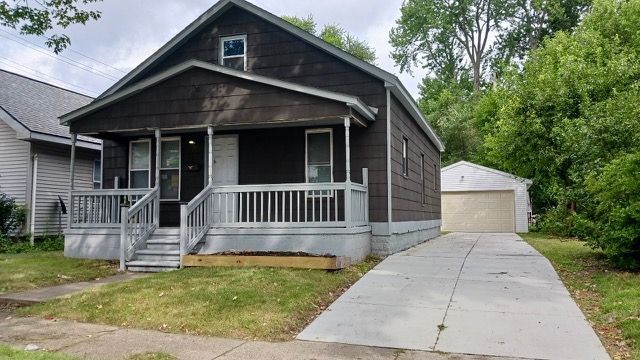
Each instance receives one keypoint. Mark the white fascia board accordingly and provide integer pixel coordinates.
(21, 130)
(213, 12)
(351, 101)
(64, 141)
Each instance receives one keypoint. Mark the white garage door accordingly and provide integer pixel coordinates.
(478, 211)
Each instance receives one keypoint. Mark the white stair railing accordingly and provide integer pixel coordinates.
(138, 223)
(195, 220)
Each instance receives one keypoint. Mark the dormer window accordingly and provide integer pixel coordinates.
(233, 52)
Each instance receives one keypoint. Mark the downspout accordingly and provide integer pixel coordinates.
(34, 190)
(389, 198)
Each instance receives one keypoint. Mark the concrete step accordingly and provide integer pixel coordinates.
(152, 265)
(157, 257)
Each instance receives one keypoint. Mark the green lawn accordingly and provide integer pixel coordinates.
(246, 303)
(610, 298)
(7, 352)
(33, 270)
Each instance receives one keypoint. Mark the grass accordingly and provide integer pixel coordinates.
(7, 352)
(245, 303)
(19, 272)
(610, 298)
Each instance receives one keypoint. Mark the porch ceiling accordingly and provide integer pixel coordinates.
(197, 94)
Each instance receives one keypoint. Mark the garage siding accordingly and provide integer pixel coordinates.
(470, 177)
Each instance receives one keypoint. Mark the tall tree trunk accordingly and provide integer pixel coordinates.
(476, 75)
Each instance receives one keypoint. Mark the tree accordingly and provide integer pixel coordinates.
(46, 16)
(335, 35)
(441, 34)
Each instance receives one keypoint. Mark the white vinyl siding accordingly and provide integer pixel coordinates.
(14, 164)
(53, 180)
(465, 177)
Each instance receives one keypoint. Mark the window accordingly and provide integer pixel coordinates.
(423, 194)
(139, 164)
(435, 177)
(405, 157)
(233, 52)
(319, 156)
(170, 169)
(97, 174)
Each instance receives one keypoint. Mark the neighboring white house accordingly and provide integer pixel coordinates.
(476, 198)
(35, 150)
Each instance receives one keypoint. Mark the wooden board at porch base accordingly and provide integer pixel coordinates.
(302, 262)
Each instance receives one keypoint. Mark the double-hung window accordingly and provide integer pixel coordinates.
(97, 174)
(233, 52)
(319, 156)
(170, 169)
(139, 164)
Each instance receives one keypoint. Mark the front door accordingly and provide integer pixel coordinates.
(225, 172)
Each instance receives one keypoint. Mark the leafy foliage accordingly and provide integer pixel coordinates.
(21, 245)
(335, 35)
(12, 215)
(41, 17)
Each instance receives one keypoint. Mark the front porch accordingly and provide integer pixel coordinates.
(229, 211)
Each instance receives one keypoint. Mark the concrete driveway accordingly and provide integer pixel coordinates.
(484, 294)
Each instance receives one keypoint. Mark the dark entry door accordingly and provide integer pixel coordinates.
(192, 177)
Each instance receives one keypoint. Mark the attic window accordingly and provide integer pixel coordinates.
(233, 52)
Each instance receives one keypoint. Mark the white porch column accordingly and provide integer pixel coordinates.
(347, 184)
(72, 166)
(158, 156)
(347, 149)
(210, 158)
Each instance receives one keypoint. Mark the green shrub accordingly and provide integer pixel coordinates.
(616, 190)
(12, 215)
(20, 245)
(560, 221)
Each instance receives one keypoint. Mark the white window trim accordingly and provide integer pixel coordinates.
(405, 157)
(179, 168)
(148, 141)
(233, 37)
(306, 156)
(94, 182)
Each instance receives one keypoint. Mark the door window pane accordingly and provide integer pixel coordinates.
(170, 184)
(140, 179)
(140, 155)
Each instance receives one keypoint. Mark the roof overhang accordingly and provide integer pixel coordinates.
(351, 101)
(391, 81)
(24, 133)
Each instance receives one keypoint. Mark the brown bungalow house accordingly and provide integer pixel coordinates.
(246, 133)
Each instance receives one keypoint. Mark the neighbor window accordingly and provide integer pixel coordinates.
(97, 174)
(170, 169)
(319, 156)
(405, 157)
(233, 52)
(423, 194)
(139, 164)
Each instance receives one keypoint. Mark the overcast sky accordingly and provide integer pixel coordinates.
(131, 30)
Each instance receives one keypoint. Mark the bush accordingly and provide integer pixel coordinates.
(20, 245)
(12, 215)
(560, 221)
(616, 190)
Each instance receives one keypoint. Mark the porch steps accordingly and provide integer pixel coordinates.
(161, 254)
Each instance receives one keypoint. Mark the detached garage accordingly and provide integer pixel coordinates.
(476, 198)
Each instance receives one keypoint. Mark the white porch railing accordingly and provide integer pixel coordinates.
(138, 223)
(274, 206)
(100, 208)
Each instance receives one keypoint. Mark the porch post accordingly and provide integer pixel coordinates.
(347, 184)
(158, 157)
(72, 165)
(210, 158)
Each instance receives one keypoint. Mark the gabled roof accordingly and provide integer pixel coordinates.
(391, 81)
(351, 101)
(31, 107)
(491, 170)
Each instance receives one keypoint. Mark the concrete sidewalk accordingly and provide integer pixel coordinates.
(486, 294)
(48, 293)
(102, 342)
